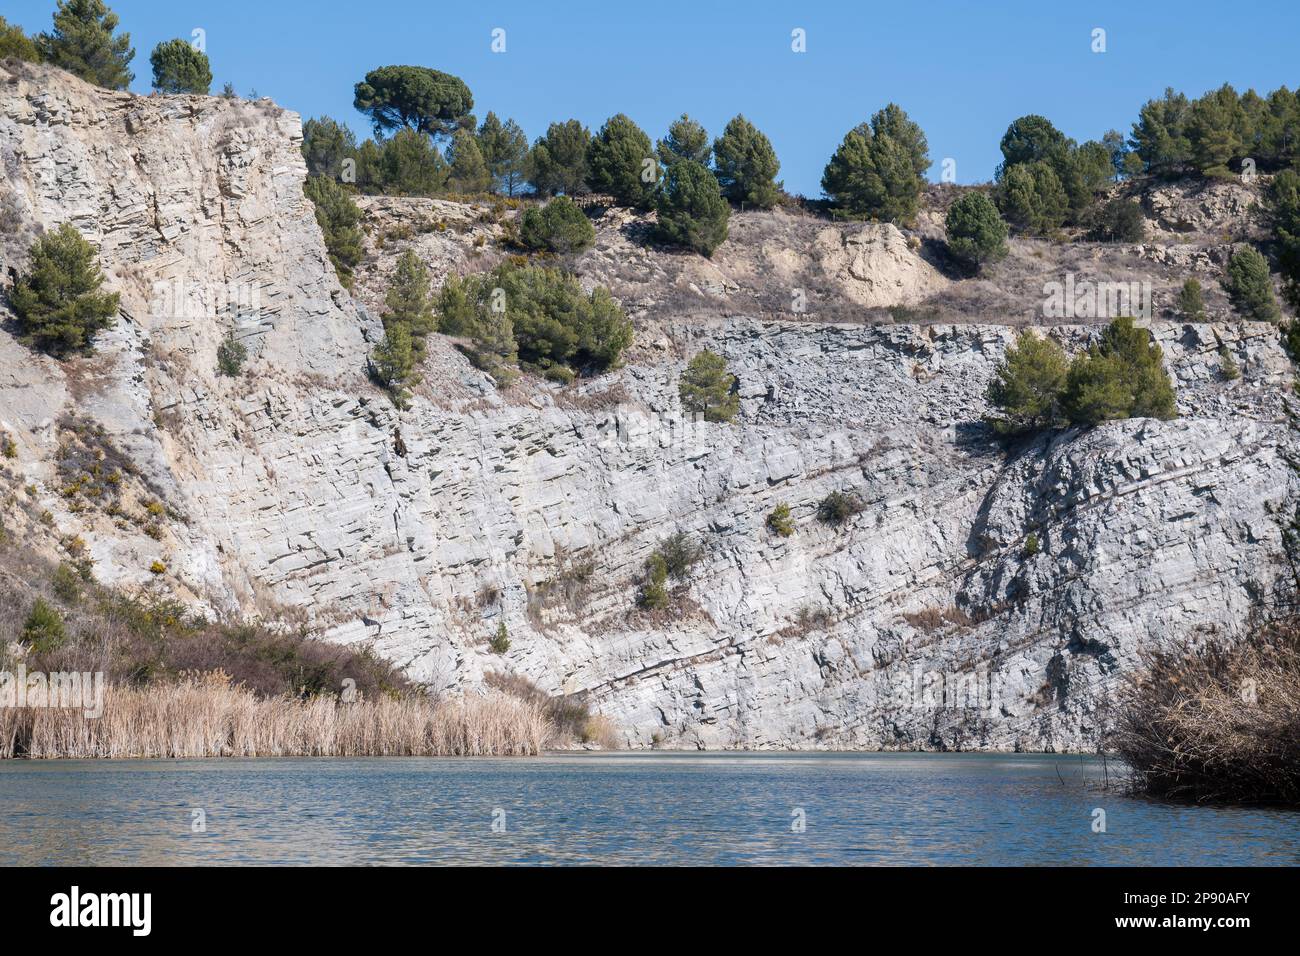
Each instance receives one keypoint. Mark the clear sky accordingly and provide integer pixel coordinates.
(962, 70)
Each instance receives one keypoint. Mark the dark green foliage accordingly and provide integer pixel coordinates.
(1031, 198)
(67, 582)
(469, 173)
(1032, 139)
(1122, 376)
(686, 139)
(654, 591)
(58, 302)
(692, 212)
(505, 150)
(338, 218)
(746, 165)
(976, 232)
(82, 42)
(560, 227)
(838, 507)
(326, 143)
(779, 521)
(500, 642)
(621, 162)
(1119, 220)
(415, 97)
(1284, 213)
(179, 68)
(707, 388)
(1032, 547)
(1228, 365)
(410, 165)
(680, 553)
(1027, 385)
(558, 160)
(877, 171)
(392, 363)
(1250, 287)
(43, 630)
(15, 43)
(540, 317)
(409, 300)
(1214, 134)
(1191, 304)
(231, 355)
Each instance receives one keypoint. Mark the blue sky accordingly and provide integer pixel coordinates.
(962, 70)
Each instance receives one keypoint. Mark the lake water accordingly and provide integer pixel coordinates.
(616, 808)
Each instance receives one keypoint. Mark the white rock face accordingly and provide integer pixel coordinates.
(928, 620)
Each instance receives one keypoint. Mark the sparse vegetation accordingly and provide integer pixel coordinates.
(779, 521)
(838, 507)
(560, 226)
(1228, 365)
(338, 218)
(500, 642)
(231, 355)
(1250, 287)
(1191, 303)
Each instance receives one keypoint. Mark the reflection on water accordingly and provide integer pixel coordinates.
(616, 808)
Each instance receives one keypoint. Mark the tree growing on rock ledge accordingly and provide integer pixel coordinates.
(418, 98)
(58, 302)
(1122, 376)
(179, 68)
(338, 218)
(1249, 286)
(82, 43)
(1027, 385)
(707, 388)
(560, 227)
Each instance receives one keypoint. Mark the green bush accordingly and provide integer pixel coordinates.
(43, 630)
(1191, 303)
(1284, 214)
(746, 165)
(560, 227)
(231, 355)
(17, 44)
(1119, 221)
(537, 316)
(326, 143)
(838, 507)
(1122, 376)
(707, 388)
(877, 171)
(1027, 385)
(1032, 546)
(407, 164)
(619, 160)
(1228, 365)
(654, 590)
(468, 173)
(83, 43)
(179, 68)
(779, 522)
(680, 553)
(58, 302)
(500, 642)
(409, 300)
(338, 218)
(67, 583)
(692, 212)
(392, 363)
(976, 232)
(1250, 287)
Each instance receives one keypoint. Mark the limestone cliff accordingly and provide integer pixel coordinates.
(984, 597)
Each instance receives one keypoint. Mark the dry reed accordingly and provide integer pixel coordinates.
(208, 717)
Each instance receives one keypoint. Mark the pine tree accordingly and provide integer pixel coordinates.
(393, 363)
(692, 212)
(975, 230)
(409, 301)
(58, 302)
(505, 150)
(557, 162)
(1027, 385)
(469, 173)
(326, 143)
(338, 218)
(686, 139)
(1250, 287)
(179, 68)
(15, 43)
(1122, 376)
(1191, 304)
(746, 165)
(707, 388)
(82, 42)
(621, 162)
(560, 227)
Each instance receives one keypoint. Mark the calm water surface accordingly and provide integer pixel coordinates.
(616, 808)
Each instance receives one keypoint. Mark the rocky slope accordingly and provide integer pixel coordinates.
(984, 597)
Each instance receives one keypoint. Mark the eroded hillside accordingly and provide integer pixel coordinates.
(926, 620)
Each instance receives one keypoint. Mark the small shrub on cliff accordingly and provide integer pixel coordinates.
(779, 521)
(392, 364)
(1228, 365)
(58, 301)
(1027, 384)
(560, 227)
(83, 43)
(838, 507)
(179, 68)
(409, 302)
(654, 589)
(43, 630)
(338, 218)
(231, 355)
(1191, 303)
(1119, 220)
(1250, 287)
(976, 232)
(680, 553)
(1122, 376)
(707, 388)
(500, 642)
